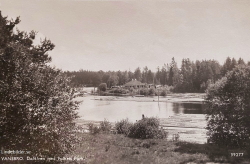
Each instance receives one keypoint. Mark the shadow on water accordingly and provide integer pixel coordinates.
(189, 108)
(176, 108)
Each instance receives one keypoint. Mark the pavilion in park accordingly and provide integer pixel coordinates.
(135, 84)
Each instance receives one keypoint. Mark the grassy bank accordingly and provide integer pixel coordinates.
(118, 149)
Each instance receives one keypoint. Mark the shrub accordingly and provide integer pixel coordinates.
(147, 128)
(123, 127)
(151, 91)
(228, 109)
(119, 91)
(105, 126)
(93, 129)
(131, 89)
(170, 88)
(163, 92)
(144, 91)
(102, 87)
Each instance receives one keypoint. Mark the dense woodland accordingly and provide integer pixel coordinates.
(190, 77)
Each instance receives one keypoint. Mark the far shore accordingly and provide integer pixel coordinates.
(173, 97)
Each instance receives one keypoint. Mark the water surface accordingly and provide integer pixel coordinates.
(98, 110)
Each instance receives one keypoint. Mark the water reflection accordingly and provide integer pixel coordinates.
(189, 108)
(176, 108)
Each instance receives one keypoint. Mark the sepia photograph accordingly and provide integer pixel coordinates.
(124, 82)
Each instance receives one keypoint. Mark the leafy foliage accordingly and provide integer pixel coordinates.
(105, 126)
(151, 91)
(123, 127)
(144, 91)
(229, 109)
(93, 129)
(102, 87)
(163, 92)
(147, 128)
(37, 107)
(119, 90)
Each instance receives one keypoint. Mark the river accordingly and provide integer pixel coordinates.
(176, 114)
(96, 108)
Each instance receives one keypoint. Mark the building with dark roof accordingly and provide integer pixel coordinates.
(135, 84)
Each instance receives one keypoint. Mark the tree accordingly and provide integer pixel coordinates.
(130, 75)
(234, 63)
(120, 76)
(125, 77)
(150, 77)
(113, 80)
(102, 87)
(37, 107)
(174, 75)
(95, 79)
(158, 76)
(227, 66)
(241, 61)
(144, 75)
(229, 109)
(186, 83)
(163, 79)
(137, 74)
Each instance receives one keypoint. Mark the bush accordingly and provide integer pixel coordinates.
(131, 89)
(147, 128)
(123, 127)
(164, 92)
(170, 89)
(102, 87)
(228, 109)
(105, 126)
(93, 129)
(151, 91)
(119, 91)
(144, 91)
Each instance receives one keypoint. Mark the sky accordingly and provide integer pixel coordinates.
(123, 35)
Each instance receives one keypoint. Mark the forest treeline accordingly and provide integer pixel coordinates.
(190, 77)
